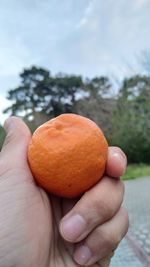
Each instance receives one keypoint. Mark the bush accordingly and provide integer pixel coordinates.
(131, 132)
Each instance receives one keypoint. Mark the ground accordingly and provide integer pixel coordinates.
(134, 250)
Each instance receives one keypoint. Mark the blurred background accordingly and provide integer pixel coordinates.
(89, 57)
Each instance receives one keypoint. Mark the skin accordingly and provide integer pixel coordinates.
(36, 229)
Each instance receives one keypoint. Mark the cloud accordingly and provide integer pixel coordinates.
(13, 57)
(141, 3)
(88, 37)
(107, 39)
(88, 11)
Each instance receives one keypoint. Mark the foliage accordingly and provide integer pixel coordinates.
(132, 119)
(98, 87)
(125, 120)
(41, 93)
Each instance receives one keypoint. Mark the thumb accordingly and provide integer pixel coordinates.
(14, 150)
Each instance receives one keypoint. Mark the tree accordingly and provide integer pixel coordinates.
(98, 87)
(64, 90)
(28, 98)
(40, 93)
(132, 118)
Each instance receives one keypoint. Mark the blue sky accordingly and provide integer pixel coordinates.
(88, 37)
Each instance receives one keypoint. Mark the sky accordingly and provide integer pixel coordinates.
(88, 37)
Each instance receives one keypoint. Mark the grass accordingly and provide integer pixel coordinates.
(136, 170)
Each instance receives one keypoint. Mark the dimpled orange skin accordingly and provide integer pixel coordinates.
(67, 155)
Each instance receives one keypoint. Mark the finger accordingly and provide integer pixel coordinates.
(105, 262)
(14, 150)
(95, 207)
(116, 163)
(103, 240)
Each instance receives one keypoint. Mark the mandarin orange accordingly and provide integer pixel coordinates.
(67, 155)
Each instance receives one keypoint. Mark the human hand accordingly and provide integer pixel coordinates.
(35, 226)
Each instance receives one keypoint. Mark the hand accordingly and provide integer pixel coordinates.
(40, 230)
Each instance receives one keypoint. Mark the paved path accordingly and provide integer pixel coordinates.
(134, 251)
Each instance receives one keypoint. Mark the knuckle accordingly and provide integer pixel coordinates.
(103, 209)
(118, 193)
(124, 227)
(110, 239)
(111, 242)
(103, 205)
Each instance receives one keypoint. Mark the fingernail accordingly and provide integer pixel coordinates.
(82, 255)
(120, 156)
(117, 150)
(72, 228)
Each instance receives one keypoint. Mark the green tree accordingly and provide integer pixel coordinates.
(28, 97)
(41, 94)
(98, 87)
(63, 93)
(132, 119)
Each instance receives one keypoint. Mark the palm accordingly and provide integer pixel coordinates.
(40, 228)
(33, 222)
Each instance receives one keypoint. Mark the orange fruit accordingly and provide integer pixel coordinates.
(67, 155)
